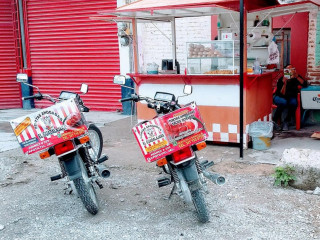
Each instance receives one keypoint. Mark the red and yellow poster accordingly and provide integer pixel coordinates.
(48, 127)
(169, 133)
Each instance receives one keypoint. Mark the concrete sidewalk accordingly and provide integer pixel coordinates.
(8, 140)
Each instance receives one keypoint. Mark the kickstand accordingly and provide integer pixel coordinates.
(172, 191)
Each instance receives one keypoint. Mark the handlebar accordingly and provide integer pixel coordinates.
(84, 108)
(40, 96)
(126, 99)
(28, 97)
(37, 96)
(159, 106)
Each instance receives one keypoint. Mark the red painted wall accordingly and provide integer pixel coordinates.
(214, 28)
(9, 88)
(68, 48)
(258, 97)
(299, 38)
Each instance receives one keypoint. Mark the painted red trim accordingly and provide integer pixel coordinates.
(298, 112)
(196, 79)
(284, 5)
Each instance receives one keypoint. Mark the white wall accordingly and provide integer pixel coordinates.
(153, 46)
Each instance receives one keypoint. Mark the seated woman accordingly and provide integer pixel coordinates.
(286, 96)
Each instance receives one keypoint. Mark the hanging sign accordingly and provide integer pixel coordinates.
(273, 53)
(169, 133)
(48, 127)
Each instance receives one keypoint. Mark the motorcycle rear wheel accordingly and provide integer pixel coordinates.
(96, 142)
(200, 205)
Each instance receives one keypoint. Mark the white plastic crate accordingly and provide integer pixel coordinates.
(310, 97)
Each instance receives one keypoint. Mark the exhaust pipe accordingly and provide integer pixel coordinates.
(102, 171)
(215, 178)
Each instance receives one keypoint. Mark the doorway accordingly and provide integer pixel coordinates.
(284, 45)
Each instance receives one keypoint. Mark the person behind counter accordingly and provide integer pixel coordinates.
(286, 96)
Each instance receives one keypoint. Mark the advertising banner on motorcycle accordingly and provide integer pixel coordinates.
(169, 133)
(48, 127)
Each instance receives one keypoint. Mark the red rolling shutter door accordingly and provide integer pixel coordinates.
(67, 48)
(9, 88)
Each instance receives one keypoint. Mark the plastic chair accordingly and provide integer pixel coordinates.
(298, 110)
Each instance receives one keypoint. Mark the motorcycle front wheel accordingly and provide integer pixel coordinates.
(200, 205)
(86, 191)
(87, 195)
(96, 142)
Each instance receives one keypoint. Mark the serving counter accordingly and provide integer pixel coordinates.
(217, 97)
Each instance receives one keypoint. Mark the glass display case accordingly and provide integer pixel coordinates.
(217, 57)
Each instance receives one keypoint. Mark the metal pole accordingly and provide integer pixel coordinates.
(174, 49)
(135, 46)
(241, 76)
(23, 40)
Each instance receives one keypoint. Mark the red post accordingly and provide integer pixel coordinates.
(298, 113)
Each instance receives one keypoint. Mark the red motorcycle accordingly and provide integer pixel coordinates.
(62, 130)
(172, 139)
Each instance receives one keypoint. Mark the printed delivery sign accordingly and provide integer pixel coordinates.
(169, 133)
(48, 127)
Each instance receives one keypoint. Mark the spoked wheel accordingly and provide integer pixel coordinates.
(200, 205)
(87, 195)
(86, 191)
(96, 142)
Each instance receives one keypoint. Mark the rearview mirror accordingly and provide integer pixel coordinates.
(119, 79)
(84, 88)
(22, 77)
(187, 89)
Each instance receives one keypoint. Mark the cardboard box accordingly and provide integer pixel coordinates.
(169, 133)
(48, 127)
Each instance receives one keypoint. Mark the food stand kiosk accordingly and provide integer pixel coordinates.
(212, 67)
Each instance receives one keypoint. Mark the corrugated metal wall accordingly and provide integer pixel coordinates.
(9, 88)
(67, 48)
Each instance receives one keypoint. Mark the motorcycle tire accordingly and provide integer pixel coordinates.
(96, 142)
(200, 205)
(87, 195)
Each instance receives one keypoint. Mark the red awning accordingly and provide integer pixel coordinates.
(166, 9)
(159, 4)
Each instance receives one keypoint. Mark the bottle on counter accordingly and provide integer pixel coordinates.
(256, 21)
(256, 67)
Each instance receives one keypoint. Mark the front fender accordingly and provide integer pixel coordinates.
(191, 175)
(72, 166)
